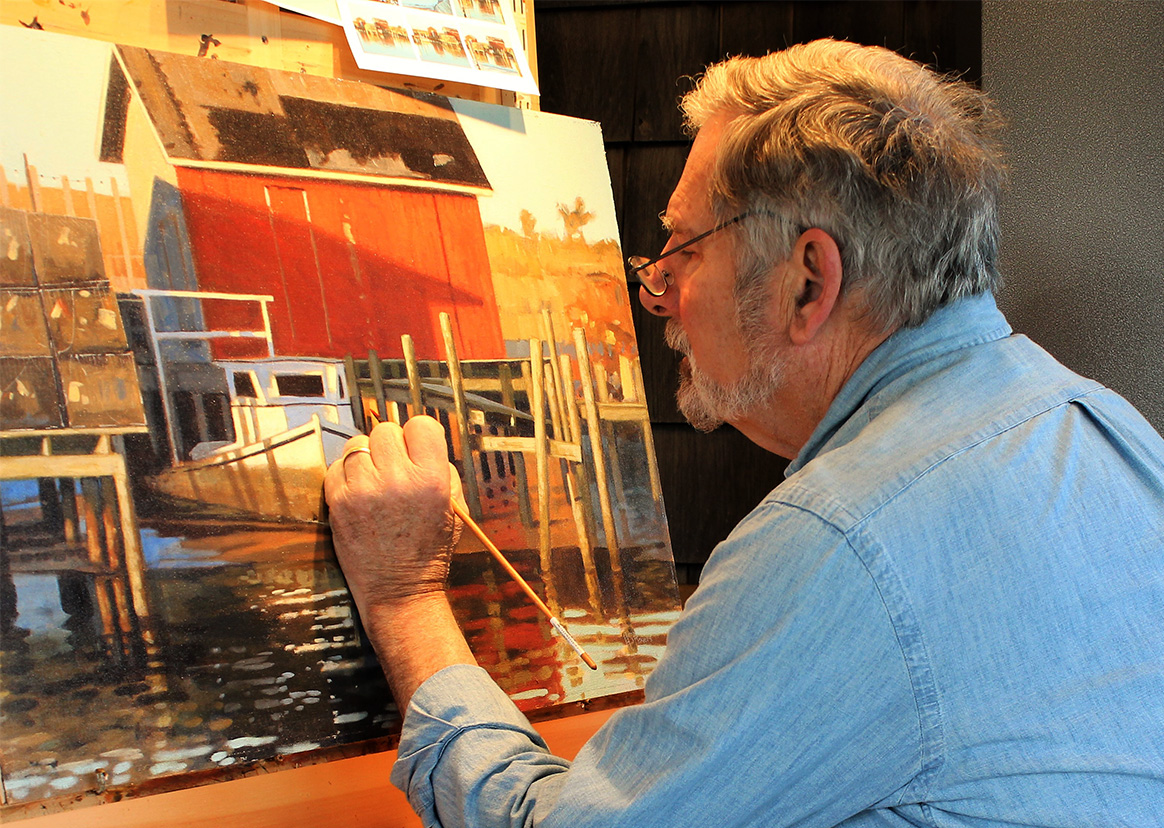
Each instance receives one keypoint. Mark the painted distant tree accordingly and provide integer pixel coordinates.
(528, 221)
(575, 218)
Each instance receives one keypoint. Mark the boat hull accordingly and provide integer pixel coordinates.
(280, 477)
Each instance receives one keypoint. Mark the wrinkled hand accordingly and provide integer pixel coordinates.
(393, 528)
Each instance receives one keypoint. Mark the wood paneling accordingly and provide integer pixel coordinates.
(588, 76)
(945, 35)
(873, 22)
(674, 42)
(755, 28)
(651, 172)
(710, 482)
(616, 164)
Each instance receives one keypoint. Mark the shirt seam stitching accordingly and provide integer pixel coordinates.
(1032, 412)
(936, 755)
(932, 760)
(840, 509)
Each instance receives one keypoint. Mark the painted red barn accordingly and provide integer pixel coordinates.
(354, 207)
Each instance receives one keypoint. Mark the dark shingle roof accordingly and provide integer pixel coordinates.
(213, 112)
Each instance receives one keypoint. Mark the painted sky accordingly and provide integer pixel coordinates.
(51, 99)
(562, 158)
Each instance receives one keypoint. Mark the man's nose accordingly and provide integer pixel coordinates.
(658, 305)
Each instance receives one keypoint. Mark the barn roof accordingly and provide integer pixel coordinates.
(213, 113)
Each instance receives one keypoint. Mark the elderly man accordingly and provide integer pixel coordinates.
(949, 614)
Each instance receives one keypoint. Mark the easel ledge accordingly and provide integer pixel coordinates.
(355, 792)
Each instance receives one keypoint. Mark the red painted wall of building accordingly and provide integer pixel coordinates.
(351, 266)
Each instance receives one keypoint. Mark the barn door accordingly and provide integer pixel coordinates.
(299, 269)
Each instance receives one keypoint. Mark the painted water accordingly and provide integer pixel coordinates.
(254, 652)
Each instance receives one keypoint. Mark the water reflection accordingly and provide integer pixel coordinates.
(257, 653)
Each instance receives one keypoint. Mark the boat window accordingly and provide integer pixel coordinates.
(244, 385)
(299, 385)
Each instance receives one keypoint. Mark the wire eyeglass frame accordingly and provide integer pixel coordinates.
(655, 280)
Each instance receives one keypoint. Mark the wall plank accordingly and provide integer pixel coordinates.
(673, 42)
(652, 171)
(754, 28)
(875, 22)
(945, 35)
(710, 482)
(585, 68)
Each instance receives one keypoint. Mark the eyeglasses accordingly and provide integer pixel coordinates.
(654, 278)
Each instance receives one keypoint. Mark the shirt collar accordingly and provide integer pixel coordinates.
(960, 324)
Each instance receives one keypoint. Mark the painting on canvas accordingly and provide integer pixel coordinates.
(213, 275)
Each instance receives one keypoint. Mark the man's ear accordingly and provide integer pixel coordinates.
(815, 268)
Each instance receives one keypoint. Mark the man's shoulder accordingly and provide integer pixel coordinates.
(958, 415)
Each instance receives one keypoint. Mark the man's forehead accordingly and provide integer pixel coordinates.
(690, 195)
(690, 203)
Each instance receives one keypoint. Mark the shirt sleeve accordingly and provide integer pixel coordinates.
(783, 699)
(469, 757)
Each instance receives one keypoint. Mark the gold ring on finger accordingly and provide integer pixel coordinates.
(355, 450)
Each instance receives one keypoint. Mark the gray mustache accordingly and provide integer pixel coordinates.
(676, 338)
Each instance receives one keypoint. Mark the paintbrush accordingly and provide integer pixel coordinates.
(513, 573)
(521, 582)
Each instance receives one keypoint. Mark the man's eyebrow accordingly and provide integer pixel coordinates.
(670, 224)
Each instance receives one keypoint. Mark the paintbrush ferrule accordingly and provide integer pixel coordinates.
(557, 625)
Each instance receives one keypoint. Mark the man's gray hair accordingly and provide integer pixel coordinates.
(899, 165)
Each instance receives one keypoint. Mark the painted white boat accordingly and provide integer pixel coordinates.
(291, 419)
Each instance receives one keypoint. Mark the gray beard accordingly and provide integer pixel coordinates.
(708, 404)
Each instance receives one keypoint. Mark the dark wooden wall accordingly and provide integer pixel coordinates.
(625, 64)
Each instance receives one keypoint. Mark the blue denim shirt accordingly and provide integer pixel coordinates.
(951, 613)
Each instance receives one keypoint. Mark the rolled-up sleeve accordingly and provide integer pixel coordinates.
(469, 757)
